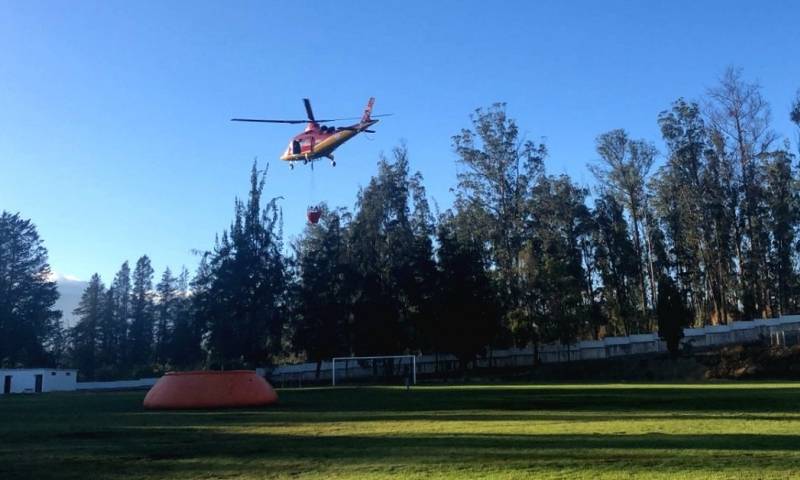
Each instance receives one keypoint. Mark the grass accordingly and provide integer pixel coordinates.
(703, 431)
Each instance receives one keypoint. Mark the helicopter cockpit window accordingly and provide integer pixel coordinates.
(296, 147)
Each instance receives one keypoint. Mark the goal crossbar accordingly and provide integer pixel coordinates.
(378, 357)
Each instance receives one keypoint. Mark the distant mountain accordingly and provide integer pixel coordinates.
(70, 290)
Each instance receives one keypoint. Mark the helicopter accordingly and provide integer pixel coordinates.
(318, 141)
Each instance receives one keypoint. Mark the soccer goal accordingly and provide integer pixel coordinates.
(393, 369)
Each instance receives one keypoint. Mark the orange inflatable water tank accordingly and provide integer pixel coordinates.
(210, 389)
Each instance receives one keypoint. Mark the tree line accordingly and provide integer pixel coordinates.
(522, 257)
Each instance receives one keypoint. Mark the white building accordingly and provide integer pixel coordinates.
(34, 380)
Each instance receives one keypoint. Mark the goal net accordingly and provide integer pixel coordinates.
(384, 370)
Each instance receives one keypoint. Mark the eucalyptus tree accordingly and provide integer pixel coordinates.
(617, 266)
(680, 202)
(794, 116)
(622, 172)
(783, 219)
(721, 197)
(499, 170)
(421, 284)
(555, 289)
(739, 117)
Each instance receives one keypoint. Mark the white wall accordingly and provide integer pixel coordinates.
(710, 336)
(118, 385)
(62, 381)
(23, 380)
(55, 380)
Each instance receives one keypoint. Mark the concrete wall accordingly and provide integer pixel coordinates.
(23, 380)
(55, 380)
(60, 380)
(141, 383)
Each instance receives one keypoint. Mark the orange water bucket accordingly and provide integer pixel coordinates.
(210, 389)
(313, 214)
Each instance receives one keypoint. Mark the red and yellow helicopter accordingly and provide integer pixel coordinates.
(317, 140)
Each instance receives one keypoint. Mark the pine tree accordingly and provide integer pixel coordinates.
(249, 283)
(28, 323)
(121, 286)
(140, 333)
(86, 334)
(468, 313)
(672, 313)
(187, 335)
(106, 355)
(202, 305)
(322, 294)
(165, 310)
(391, 256)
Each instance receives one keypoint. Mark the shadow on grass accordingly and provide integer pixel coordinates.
(618, 398)
(110, 436)
(167, 453)
(451, 404)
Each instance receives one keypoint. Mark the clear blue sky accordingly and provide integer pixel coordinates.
(114, 131)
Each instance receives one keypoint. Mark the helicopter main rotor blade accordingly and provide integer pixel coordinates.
(311, 119)
(260, 120)
(353, 118)
(309, 112)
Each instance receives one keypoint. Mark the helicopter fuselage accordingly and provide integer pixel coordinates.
(319, 140)
(316, 142)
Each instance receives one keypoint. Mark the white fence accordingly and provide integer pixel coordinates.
(609, 347)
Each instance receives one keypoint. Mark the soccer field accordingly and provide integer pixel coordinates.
(701, 431)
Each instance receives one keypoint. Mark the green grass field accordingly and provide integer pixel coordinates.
(555, 431)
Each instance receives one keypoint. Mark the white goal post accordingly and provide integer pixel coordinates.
(382, 357)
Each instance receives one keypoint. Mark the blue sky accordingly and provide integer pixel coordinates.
(114, 131)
